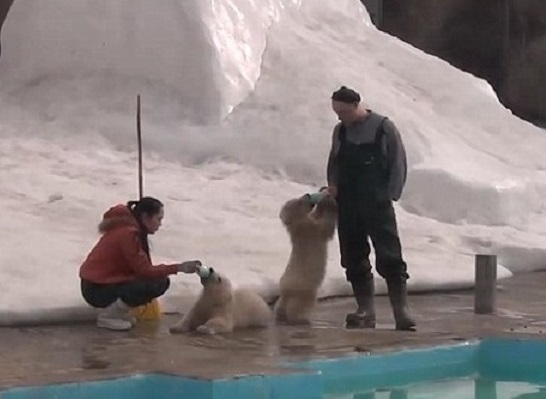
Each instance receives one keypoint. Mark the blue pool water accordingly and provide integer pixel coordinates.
(489, 369)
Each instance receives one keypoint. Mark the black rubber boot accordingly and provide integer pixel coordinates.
(398, 295)
(364, 317)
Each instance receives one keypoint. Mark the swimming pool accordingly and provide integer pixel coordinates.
(486, 369)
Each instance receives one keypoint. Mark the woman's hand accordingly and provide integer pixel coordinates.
(189, 266)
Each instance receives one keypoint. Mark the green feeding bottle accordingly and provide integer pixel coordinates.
(204, 271)
(314, 198)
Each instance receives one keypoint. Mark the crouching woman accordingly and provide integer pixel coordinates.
(118, 274)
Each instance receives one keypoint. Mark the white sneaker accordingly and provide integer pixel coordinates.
(115, 317)
(131, 319)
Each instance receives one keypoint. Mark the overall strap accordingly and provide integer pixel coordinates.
(342, 136)
(379, 133)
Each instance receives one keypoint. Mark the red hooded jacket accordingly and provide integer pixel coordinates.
(118, 256)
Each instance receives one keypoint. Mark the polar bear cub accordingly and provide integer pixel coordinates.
(221, 309)
(310, 229)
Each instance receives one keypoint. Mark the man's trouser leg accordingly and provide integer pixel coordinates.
(355, 252)
(389, 262)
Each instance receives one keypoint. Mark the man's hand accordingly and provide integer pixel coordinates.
(331, 190)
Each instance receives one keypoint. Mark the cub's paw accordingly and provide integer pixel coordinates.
(204, 329)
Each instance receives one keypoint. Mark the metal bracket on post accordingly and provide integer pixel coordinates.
(485, 284)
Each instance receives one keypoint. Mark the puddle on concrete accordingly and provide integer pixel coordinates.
(530, 329)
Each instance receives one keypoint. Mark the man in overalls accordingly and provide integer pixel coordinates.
(366, 173)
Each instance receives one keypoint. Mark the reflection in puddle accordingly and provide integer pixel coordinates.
(454, 389)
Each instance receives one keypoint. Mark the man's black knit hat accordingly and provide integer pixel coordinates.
(346, 95)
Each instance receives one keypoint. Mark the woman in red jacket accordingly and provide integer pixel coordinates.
(118, 273)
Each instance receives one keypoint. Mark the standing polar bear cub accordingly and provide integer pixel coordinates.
(310, 229)
(221, 309)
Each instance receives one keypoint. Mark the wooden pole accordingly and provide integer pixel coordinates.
(485, 284)
(139, 143)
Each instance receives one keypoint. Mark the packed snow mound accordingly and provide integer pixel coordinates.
(204, 56)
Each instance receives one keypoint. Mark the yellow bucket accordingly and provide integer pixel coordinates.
(150, 311)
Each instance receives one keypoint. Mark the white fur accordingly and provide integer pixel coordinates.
(310, 229)
(220, 309)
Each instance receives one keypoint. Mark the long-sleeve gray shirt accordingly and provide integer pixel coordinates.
(363, 131)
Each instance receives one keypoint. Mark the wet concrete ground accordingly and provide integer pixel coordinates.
(54, 354)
